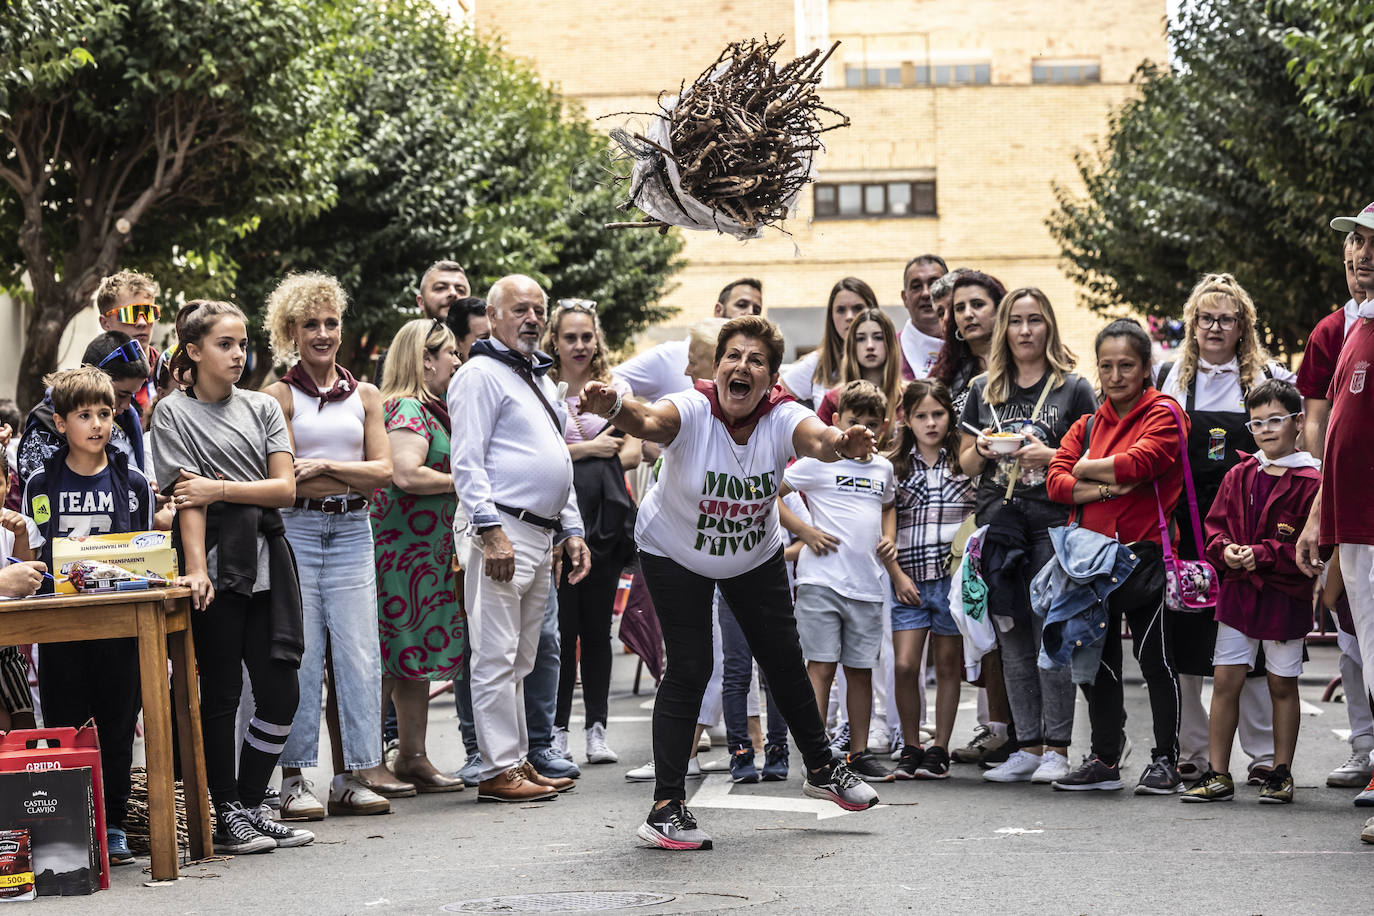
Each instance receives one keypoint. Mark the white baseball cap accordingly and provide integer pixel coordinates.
(1348, 223)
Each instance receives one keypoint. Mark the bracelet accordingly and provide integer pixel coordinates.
(1104, 491)
(615, 408)
(839, 455)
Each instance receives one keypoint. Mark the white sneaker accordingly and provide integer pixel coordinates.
(646, 772)
(348, 795)
(719, 765)
(1019, 767)
(298, 800)
(597, 751)
(1354, 773)
(879, 738)
(1053, 765)
(560, 743)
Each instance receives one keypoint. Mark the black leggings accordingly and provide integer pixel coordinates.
(584, 616)
(232, 633)
(1149, 622)
(96, 679)
(762, 602)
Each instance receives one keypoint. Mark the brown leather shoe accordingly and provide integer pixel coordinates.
(428, 783)
(393, 788)
(512, 786)
(557, 783)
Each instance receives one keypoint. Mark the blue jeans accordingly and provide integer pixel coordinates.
(739, 669)
(337, 570)
(541, 688)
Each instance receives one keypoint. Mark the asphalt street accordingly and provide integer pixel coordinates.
(960, 846)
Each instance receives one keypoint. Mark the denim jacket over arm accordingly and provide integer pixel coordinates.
(1070, 594)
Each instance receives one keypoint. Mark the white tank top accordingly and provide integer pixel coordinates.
(333, 432)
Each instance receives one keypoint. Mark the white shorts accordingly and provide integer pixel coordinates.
(1281, 657)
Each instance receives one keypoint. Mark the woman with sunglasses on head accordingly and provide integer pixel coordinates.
(423, 634)
(1220, 360)
(601, 454)
(124, 361)
(127, 303)
(809, 378)
(342, 456)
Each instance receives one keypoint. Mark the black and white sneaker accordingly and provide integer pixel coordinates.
(283, 835)
(841, 785)
(673, 827)
(839, 742)
(909, 762)
(1160, 778)
(867, 767)
(1092, 773)
(235, 834)
(934, 764)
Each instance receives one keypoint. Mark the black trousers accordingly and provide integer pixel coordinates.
(96, 679)
(1142, 604)
(762, 603)
(235, 632)
(584, 616)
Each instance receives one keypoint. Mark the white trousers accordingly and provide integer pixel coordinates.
(1255, 726)
(1357, 568)
(1356, 706)
(504, 620)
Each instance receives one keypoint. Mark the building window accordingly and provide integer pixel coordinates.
(954, 75)
(873, 199)
(1065, 73)
(872, 77)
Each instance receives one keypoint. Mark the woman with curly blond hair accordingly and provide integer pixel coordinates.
(342, 456)
(1220, 360)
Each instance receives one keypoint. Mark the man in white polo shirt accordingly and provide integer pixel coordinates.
(921, 336)
(513, 476)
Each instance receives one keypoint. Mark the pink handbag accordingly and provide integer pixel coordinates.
(1190, 586)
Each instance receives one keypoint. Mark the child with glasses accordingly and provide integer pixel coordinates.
(127, 303)
(1252, 533)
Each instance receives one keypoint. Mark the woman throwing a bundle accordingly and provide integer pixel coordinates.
(713, 520)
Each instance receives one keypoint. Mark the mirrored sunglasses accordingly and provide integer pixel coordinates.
(135, 312)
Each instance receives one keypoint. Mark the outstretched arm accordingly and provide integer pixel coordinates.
(658, 422)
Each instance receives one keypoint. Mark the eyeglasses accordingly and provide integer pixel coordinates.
(577, 305)
(135, 312)
(1270, 424)
(1225, 322)
(130, 352)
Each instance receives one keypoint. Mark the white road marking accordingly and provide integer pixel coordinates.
(1342, 733)
(1016, 831)
(577, 717)
(715, 793)
(1309, 709)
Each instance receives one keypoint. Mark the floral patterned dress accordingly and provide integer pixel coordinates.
(423, 631)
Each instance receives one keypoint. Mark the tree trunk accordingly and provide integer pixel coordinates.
(53, 309)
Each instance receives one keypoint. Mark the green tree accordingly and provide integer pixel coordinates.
(463, 154)
(1217, 165)
(1332, 44)
(142, 129)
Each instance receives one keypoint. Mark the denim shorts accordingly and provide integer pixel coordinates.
(932, 613)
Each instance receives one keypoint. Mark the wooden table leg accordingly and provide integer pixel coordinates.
(186, 699)
(157, 738)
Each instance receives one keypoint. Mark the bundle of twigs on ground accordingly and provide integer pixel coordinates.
(734, 149)
(136, 822)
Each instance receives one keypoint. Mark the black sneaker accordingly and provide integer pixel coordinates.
(979, 746)
(775, 763)
(1160, 778)
(742, 768)
(839, 784)
(935, 764)
(909, 762)
(1092, 773)
(273, 798)
(235, 834)
(673, 827)
(867, 767)
(283, 835)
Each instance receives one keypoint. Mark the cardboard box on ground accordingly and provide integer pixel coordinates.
(57, 807)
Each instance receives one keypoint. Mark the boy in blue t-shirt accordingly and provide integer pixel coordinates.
(89, 487)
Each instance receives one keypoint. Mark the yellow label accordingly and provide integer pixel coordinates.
(19, 880)
(42, 510)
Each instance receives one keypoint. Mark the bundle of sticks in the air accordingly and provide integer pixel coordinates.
(739, 142)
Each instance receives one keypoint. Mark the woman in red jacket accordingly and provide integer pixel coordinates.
(1132, 454)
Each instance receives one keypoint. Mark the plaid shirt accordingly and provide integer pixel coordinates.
(932, 502)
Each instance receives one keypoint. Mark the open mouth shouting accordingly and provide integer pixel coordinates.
(739, 389)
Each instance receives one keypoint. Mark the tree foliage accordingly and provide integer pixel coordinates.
(463, 154)
(1217, 165)
(1332, 45)
(136, 128)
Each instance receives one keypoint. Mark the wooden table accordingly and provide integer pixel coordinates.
(161, 620)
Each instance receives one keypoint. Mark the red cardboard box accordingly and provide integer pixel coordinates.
(78, 747)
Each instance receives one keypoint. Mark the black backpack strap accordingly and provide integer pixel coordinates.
(1164, 371)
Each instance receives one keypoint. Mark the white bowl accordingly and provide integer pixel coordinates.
(1005, 444)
